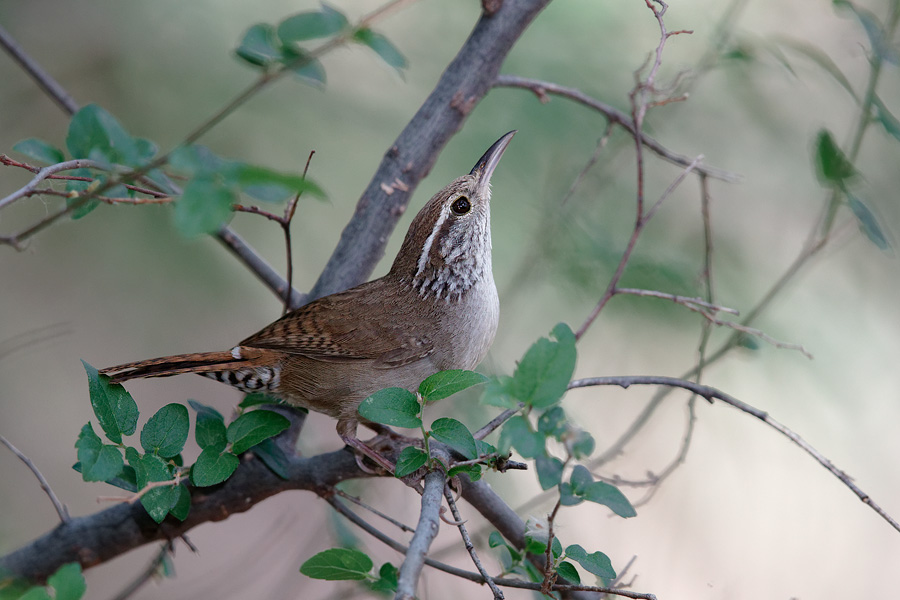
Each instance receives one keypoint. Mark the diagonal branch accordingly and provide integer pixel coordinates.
(711, 393)
(462, 85)
(613, 115)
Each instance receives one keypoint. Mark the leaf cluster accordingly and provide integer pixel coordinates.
(156, 471)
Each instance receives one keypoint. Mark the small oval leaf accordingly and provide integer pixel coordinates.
(253, 427)
(446, 383)
(338, 564)
(392, 406)
(411, 459)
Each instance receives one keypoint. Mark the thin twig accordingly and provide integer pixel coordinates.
(59, 506)
(426, 530)
(687, 301)
(470, 547)
(373, 510)
(614, 115)
(471, 575)
(601, 144)
(550, 574)
(43, 79)
(496, 422)
(140, 493)
(711, 394)
(147, 574)
(257, 264)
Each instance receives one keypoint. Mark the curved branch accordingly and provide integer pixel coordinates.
(612, 114)
(711, 393)
(462, 85)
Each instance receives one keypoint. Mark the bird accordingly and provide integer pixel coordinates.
(436, 309)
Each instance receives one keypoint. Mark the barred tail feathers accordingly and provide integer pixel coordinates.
(198, 362)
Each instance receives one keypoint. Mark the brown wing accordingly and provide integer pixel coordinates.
(350, 325)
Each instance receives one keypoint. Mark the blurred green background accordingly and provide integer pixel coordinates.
(747, 516)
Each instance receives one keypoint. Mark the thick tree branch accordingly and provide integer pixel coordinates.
(463, 84)
(99, 537)
(426, 531)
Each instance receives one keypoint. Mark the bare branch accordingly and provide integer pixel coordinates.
(373, 510)
(426, 530)
(93, 539)
(470, 547)
(258, 265)
(59, 506)
(153, 570)
(463, 84)
(711, 394)
(613, 115)
(43, 79)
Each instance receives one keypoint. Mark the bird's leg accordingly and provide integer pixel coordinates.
(346, 428)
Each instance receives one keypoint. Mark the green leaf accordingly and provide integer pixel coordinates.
(609, 495)
(253, 427)
(553, 422)
(582, 445)
(392, 406)
(881, 46)
(204, 207)
(95, 134)
(567, 571)
(886, 118)
(213, 466)
(832, 165)
(256, 399)
(596, 562)
(309, 71)
(166, 432)
(543, 374)
(182, 507)
(580, 479)
(68, 582)
(382, 47)
(99, 461)
(567, 496)
(37, 592)
(456, 435)
(210, 427)
(387, 579)
(125, 479)
(311, 25)
(868, 222)
(497, 392)
(40, 150)
(114, 407)
(495, 539)
(196, 159)
(338, 564)
(273, 457)
(151, 468)
(549, 471)
(473, 471)
(259, 46)
(818, 56)
(446, 383)
(517, 433)
(246, 175)
(410, 460)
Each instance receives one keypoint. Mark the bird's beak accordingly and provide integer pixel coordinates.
(485, 166)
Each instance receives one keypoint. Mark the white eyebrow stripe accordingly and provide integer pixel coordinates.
(426, 249)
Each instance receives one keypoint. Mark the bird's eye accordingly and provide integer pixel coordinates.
(461, 206)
